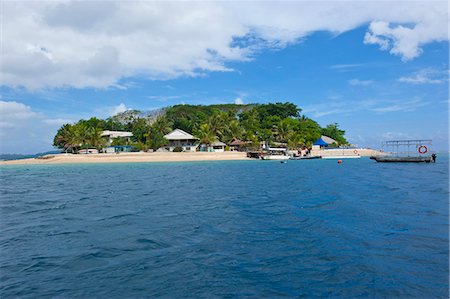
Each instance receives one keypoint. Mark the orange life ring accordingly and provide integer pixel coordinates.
(355, 152)
(423, 149)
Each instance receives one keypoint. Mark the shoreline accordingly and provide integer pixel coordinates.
(129, 158)
(141, 157)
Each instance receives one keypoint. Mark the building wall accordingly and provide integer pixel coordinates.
(187, 145)
(218, 149)
(186, 148)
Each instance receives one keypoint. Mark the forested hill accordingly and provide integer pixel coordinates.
(273, 122)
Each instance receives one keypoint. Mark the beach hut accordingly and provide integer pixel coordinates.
(237, 145)
(218, 146)
(180, 138)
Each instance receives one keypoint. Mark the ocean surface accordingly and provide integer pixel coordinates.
(257, 229)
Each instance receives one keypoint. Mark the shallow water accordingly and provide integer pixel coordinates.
(225, 229)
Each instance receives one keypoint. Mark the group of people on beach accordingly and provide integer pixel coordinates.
(303, 152)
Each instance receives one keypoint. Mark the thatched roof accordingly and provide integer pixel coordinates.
(237, 142)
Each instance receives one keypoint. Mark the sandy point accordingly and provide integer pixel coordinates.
(130, 157)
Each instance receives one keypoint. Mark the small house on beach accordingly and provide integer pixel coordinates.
(217, 146)
(180, 138)
(237, 145)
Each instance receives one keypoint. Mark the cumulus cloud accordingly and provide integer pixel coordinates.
(25, 131)
(53, 44)
(118, 109)
(239, 101)
(13, 114)
(406, 41)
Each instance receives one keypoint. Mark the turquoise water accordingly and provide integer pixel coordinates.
(225, 229)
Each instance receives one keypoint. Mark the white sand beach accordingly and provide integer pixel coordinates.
(130, 157)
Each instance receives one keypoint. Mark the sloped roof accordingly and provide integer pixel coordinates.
(218, 143)
(328, 140)
(320, 142)
(324, 141)
(237, 142)
(115, 134)
(178, 134)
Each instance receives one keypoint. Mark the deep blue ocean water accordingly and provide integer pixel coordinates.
(225, 229)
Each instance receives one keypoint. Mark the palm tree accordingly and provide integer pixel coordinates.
(94, 137)
(66, 138)
(295, 140)
(216, 123)
(233, 131)
(282, 130)
(161, 125)
(206, 135)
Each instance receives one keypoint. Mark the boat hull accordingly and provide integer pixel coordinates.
(342, 157)
(275, 157)
(305, 158)
(402, 159)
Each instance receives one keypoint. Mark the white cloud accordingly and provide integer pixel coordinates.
(25, 131)
(406, 41)
(48, 44)
(239, 101)
(14, 113)
(425, 76)
(357, 82)
(118, 109)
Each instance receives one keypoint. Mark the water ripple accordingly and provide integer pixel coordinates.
(225, 229)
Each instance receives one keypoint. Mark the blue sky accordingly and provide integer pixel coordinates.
(377, 78)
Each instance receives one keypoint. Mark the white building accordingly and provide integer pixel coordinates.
(110, 135)
(217, 147)
(180, 138)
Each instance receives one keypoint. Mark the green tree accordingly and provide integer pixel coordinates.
(295, 140)
(155, 138)
(309, 130)
(66, 138)
(283, 130)
(333, 131)
(206, 135)
(233, 130)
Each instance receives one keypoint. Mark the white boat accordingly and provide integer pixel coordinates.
(275, 157)
(275, 153)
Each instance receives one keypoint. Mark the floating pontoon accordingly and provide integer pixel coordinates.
(407, 151)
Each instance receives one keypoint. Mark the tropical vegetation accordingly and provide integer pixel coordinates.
(275, 123)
